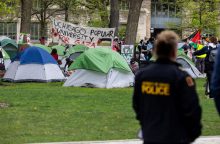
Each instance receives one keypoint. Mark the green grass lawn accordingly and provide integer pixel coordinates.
(49, 112)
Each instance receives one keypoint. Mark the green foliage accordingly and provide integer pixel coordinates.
(100, 8)
(8, 7)
(200, 14)
(96, 23)
(48, 112)
(122, 31)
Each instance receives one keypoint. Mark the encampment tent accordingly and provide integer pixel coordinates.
(34, 64)
(6, 58)
(60, 49)
(43, 47)
(101, 68)
(188, 65)
(73, 53)
(4, 37)
(10, 46)
(76, 51)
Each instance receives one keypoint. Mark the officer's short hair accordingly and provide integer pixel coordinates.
(165, 43)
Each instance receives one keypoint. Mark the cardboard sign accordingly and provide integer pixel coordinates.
(127, 51)
(72, 34)
(24, 38)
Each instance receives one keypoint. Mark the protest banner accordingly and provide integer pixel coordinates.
(72, 34)
(127, 51)
(24, 38)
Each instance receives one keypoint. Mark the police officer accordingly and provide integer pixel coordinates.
(165, 99)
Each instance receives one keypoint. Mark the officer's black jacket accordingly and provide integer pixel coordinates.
(168, 119)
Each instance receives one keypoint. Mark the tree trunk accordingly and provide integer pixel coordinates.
(66, 13)
(114, 16)
(133, 18)
(43, 23)
(43, 31)
(26, 6)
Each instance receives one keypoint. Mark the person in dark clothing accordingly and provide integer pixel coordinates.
(186, 47)
(215, 85)
(165, 99)
(209, 65)
(54, 54)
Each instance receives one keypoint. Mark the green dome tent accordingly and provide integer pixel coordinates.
(5, 54)
(43, 47)
(4, 37)
(60, 49)
(78, 48)
(10, 46)
(6, 58)
(102, 68)
(75, 51)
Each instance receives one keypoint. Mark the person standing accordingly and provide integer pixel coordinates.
(210, 50)
(54, 54)
(165, 99)
(215, 84)
(2, 65)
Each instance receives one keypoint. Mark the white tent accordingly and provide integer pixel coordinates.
(189, 67)
(35, 64)
(88, 78)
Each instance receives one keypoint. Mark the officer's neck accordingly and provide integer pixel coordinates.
(171, 59)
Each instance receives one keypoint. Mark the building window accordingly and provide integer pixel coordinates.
(35, 31)
(36, 4)
(8, 29)
(124, 4)
(167, 9)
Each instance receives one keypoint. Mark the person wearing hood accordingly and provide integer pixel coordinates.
(209, 61)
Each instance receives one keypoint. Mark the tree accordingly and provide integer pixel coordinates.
(68, 6)
(43, 12)
(26, 6)
(7, 6)
(133, 18)
(114, 15)
(199, 14)
(99, 7)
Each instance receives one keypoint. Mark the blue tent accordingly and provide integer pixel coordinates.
(34, 65)
(35, 55)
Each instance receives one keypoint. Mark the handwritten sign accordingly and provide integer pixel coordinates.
(24, 38)
(127, 51)
(72, 34)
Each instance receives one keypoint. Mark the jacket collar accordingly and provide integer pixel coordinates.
(167, 61)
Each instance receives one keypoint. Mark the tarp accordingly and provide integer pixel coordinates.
(60, 49)
(100, 60)
(36, 55)
(43, 47)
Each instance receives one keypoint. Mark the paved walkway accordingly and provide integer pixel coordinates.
(201, 140)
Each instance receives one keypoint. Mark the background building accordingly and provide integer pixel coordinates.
(154, 18)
